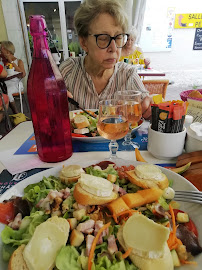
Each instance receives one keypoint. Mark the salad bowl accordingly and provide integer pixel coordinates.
(179, 183)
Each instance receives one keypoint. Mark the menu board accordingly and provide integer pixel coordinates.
(198, 39)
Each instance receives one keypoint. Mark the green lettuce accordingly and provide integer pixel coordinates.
(130, 266)
(24, 234)
(101, 173)
(7, 251)
(130, 187)
(163, 203)
(93, 122)
(83, 260)
(104, 263)
(35, 192)
(67, 259)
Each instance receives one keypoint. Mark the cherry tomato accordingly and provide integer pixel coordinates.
(190, 225)
(6, 212)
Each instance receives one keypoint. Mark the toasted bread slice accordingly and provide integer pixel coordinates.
(86, 198)
(68, 180)
(70, 173)
(17, 261)
(148, 176)
(195, 94)
(81, 121)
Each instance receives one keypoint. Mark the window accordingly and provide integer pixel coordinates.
(51, 12)
(73, 43)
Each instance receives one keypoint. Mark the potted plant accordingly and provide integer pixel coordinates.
(55, 52)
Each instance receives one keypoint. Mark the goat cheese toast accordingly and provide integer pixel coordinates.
(101, 209)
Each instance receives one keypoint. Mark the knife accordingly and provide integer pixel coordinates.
(75, 103)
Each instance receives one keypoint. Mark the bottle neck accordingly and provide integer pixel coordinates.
(40, 46)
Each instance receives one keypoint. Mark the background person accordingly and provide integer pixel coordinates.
(132, 52)
(101, 26)
(7, 52)
(3, 74)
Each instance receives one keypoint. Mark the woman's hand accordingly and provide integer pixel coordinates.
(69, 94)
(146, 107)
(9, 57)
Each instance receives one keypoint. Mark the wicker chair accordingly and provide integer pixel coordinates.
(156, 86)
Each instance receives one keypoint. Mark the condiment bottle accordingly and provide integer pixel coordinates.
(47, 97)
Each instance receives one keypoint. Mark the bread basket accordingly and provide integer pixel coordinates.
(184, 94)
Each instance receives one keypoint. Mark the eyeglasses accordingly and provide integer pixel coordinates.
(103, 40)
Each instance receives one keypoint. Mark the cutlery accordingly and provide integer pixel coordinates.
(75, 103)
(188, 196)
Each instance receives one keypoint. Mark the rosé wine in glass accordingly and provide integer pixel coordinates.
(132, 100)
(112, 123)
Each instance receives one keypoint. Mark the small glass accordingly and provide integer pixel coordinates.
(112, 123)
(132, 100)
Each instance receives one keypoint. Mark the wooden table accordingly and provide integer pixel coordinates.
(150, 72)
(16, 74)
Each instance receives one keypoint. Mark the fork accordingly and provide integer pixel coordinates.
(188, 196)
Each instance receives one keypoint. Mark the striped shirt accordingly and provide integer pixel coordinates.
(80, 84)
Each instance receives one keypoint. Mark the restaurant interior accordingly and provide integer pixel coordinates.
(100, 170)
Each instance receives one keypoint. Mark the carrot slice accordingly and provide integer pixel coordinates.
(188, 262)
(129, 212)
(173, 242)
(138, 155)
(127, 253)
(92, 250)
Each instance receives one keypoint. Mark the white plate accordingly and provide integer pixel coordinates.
(139, 125)
(180, 183)
(96, 139)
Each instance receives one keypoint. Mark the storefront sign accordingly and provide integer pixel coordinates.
(198, 39)
(189, 20)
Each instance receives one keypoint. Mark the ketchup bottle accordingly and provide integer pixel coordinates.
(47, 96)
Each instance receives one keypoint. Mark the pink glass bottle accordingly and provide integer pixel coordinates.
(47, 97)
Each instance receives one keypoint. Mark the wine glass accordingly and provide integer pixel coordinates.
(112, 123)
(132, 100)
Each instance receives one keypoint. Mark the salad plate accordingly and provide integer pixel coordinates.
(97, 139)
(179, 183)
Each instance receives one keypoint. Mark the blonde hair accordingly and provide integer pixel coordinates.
(133, 32)
(8, 45)
(90, 9)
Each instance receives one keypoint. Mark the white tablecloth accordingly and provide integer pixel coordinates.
(19, 163)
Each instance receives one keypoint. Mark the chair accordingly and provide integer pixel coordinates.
(20, 96)
(156, 86)
(4, 111)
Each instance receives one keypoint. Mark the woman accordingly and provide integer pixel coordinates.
(131, 52)
(3, 74)
(7, 52)
(101, 26)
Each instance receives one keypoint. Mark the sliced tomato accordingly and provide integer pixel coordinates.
(6, 212)
(190, 225)
(121, 171)
(78, 135)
